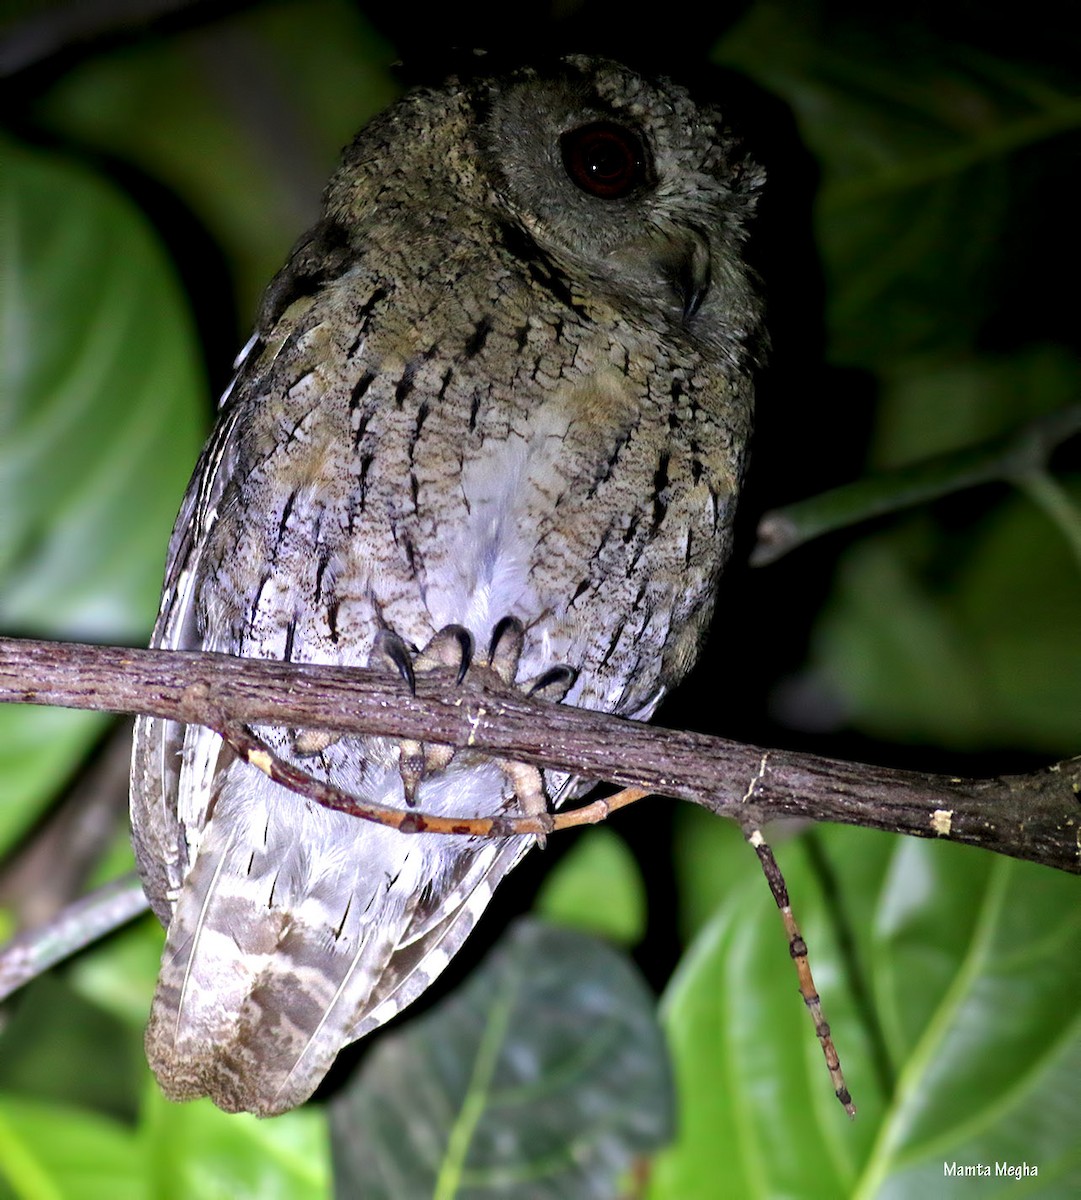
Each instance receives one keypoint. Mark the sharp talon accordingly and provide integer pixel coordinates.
(505, 649)
(389, 649)
(505, 626)
(555, 683)
(466, 643)
(452, 646)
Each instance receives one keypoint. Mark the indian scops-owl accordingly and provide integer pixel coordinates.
(502, 386)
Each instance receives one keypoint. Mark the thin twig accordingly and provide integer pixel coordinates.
(1056, 503)
(1015, 457)
(797, 948)
(78, 925)
(254, 750)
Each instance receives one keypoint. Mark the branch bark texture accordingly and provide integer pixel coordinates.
(1035, 816)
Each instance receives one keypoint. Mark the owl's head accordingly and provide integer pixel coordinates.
(629, 186)
(619, 188)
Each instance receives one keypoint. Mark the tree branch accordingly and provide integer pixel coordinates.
(53, 867)
(1020, 457)
(1036, 816)
(32, 952)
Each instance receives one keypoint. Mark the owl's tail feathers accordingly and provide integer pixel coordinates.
(274, 1054)
(254, 1002)
(435, 936)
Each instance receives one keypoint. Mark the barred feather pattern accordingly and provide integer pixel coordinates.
(460, 405)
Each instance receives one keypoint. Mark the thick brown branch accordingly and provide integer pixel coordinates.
(1035, 816)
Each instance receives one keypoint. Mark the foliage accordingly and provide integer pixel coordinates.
(94, 435)
(950, 975)
(543, 1076)
(151, 181)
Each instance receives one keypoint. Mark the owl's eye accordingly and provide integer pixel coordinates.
(604, 159)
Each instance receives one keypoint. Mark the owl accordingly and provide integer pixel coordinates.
(494, 414)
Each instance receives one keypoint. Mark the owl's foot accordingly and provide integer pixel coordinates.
(389, 653)
(452, 646)
(504, 654)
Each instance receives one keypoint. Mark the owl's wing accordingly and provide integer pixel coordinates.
(275, 930)
(161, 747)
(434, 936)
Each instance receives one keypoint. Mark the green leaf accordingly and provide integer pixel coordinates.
(544, 1076)
(59, 1047)
(963, 638)
(711, 857)
(197, 1152)
(951, 992)
(757, 1115)
(52, 1152)
(243, 119)
(100, 424)
(39, 747)
(598, 888)
(120, 975)
(974, 649)
(919, 143)
(890, 646)
(926, 409)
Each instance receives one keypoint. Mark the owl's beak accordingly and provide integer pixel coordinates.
(685, 263)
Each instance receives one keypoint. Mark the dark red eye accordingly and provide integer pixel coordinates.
(604, 159)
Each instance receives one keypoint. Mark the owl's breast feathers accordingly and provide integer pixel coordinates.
(435, 457)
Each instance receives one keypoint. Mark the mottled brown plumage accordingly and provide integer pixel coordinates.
(507, 375)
